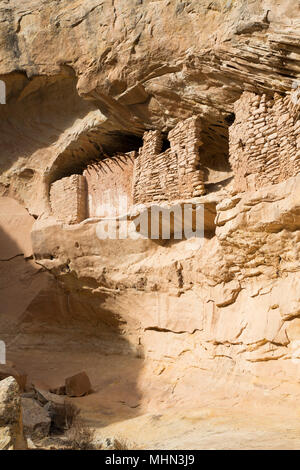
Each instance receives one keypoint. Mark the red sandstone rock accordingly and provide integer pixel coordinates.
(78, 385)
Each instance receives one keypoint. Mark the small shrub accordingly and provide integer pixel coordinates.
(80, 436)
(62, 416)
(121, 444)
(71, 414)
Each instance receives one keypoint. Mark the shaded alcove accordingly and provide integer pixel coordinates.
(54, 328)
(91, 148)
(96, 155)
(214, 153)
(37, 112)
(100, 162)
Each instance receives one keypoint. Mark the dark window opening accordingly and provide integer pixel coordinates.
(165, 145)
(230, 119)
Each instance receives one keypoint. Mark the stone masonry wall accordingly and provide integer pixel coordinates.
(109, 186)
(173, 174)
(264, 140)
(68, 199)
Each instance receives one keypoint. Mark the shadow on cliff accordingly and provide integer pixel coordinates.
(19, 279)
(37, 112)
(79, 331)
(55, 329)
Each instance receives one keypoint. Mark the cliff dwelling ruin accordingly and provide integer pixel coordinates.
(147, 176)
(263, 149)
(264, 140)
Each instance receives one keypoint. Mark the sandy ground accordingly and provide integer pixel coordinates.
(117, 408)
(210, 429)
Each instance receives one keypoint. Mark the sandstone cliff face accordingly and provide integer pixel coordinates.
(159, 323)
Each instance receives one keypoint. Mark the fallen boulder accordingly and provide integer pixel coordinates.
(36, 419)
(78, 385)
(11, 426)
(61, 412)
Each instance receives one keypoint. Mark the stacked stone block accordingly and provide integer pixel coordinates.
(264, 141)
(173, 174)
(68, 198)
(146, 185)
(185, 141)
